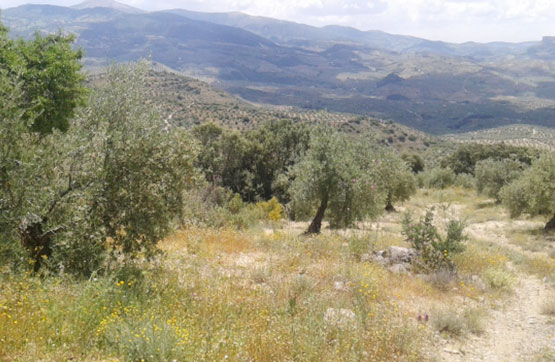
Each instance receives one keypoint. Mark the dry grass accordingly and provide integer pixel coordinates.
(218, 295)
(263, 294)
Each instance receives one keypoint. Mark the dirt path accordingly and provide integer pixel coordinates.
(515, 329)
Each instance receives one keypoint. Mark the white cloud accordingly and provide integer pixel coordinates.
(451, 20)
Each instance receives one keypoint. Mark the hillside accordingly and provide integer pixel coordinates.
(187, 102)
(517, 135)
(437, 87)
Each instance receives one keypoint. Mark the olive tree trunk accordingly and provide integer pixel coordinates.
(316, 223)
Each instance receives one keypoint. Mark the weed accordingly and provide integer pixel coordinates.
(548, 306)
(497, 279)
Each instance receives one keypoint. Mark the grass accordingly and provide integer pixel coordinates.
(498, 279)
(263, 293)
(548, 307)
(452, 321)
(224, 298)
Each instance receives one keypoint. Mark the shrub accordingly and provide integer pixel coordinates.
(435, 251)
(457, 323)
(271, 209)
(464, 180)
(413, 160)
(437, 178)
(497, 278)
(464, 159)
(534, 191)
(492, 175)
(548, 306)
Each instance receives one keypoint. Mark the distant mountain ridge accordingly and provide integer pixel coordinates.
(433, 86)
(294, 34)
(111, 4)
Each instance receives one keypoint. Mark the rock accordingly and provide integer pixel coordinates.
(398, 269)
(452, 351)
(423, 277)
(339, 286)
(366, 257)
(399, 254)
(343, 318)
(380, 260)
(478, 282)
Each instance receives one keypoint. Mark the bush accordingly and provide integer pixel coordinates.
(534, 191)
(456, 323)
(492, 175)
(435, 251)
(465, 158)
(217, 207)
(497, 278)
(271, 210)
(437, 178)
(464, 180)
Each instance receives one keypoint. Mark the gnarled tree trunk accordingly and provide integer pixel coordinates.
(316, 223)
(37, 242)
(389, 205)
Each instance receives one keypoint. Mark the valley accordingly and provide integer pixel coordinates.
(435, 87)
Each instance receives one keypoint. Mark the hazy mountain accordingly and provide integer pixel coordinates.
(294, 34)
(434, 86)
(91, 4)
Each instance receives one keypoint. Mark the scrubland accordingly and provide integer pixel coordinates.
(267, 292)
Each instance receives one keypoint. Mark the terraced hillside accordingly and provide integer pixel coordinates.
(187, 102)
(517, 135)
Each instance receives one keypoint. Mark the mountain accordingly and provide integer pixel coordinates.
(293, 34)
(110, 4)
(436, 87)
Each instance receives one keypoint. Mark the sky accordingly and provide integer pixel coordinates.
(447, 20)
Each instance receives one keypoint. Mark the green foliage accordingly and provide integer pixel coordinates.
(218, 207)
(271, 209)
(534, 191)
(338, 176)
(464, 159)
(144, 166)
(395, 177)
(115, 178)
(497, 278)
(437, 178)
(492, 175)
(51, 81)
(414, 161)
(253, 164)
(464, 180)
(435, 251)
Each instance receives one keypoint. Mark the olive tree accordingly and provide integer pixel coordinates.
(143, 165)
(491, 175)
(336, 176)
(118, 174)
(396, 177)
(534, 191)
